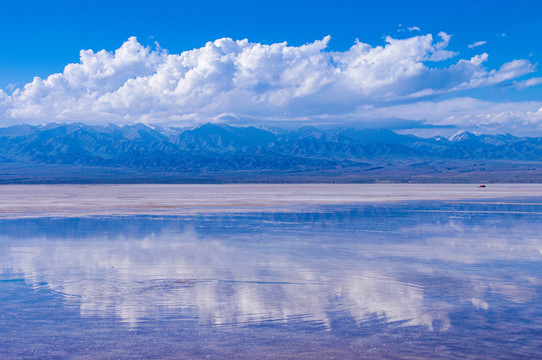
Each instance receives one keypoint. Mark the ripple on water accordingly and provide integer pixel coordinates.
(428, 279)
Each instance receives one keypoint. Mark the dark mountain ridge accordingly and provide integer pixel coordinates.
(211, 152)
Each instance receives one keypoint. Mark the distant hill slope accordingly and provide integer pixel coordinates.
(221, 153)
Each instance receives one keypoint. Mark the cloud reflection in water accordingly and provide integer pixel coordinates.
(255, 268)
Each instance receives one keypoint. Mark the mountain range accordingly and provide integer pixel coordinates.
(83, 153)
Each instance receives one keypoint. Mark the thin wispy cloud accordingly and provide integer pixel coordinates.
(250, 81)
(529, 82)
(408, 28)
(476, 44)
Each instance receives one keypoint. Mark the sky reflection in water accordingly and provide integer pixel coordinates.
(451, 269)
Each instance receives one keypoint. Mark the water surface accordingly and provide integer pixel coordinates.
(415, 279)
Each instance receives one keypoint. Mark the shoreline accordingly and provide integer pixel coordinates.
(29, 201)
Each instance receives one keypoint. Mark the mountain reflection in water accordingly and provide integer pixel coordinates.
(404, 264)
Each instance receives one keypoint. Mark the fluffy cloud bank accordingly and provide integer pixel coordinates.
(520, 118)
(229, 79)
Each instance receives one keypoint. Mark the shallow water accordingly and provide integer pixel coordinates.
(418, 279)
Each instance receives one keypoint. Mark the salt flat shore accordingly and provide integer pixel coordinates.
(18, 201)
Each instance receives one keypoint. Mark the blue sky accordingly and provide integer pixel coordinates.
(40, 38)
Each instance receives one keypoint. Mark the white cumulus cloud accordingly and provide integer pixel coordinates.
(250, 81)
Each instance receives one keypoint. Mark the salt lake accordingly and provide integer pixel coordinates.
(271, 271)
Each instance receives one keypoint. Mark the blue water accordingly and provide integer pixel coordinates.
(419, 279)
